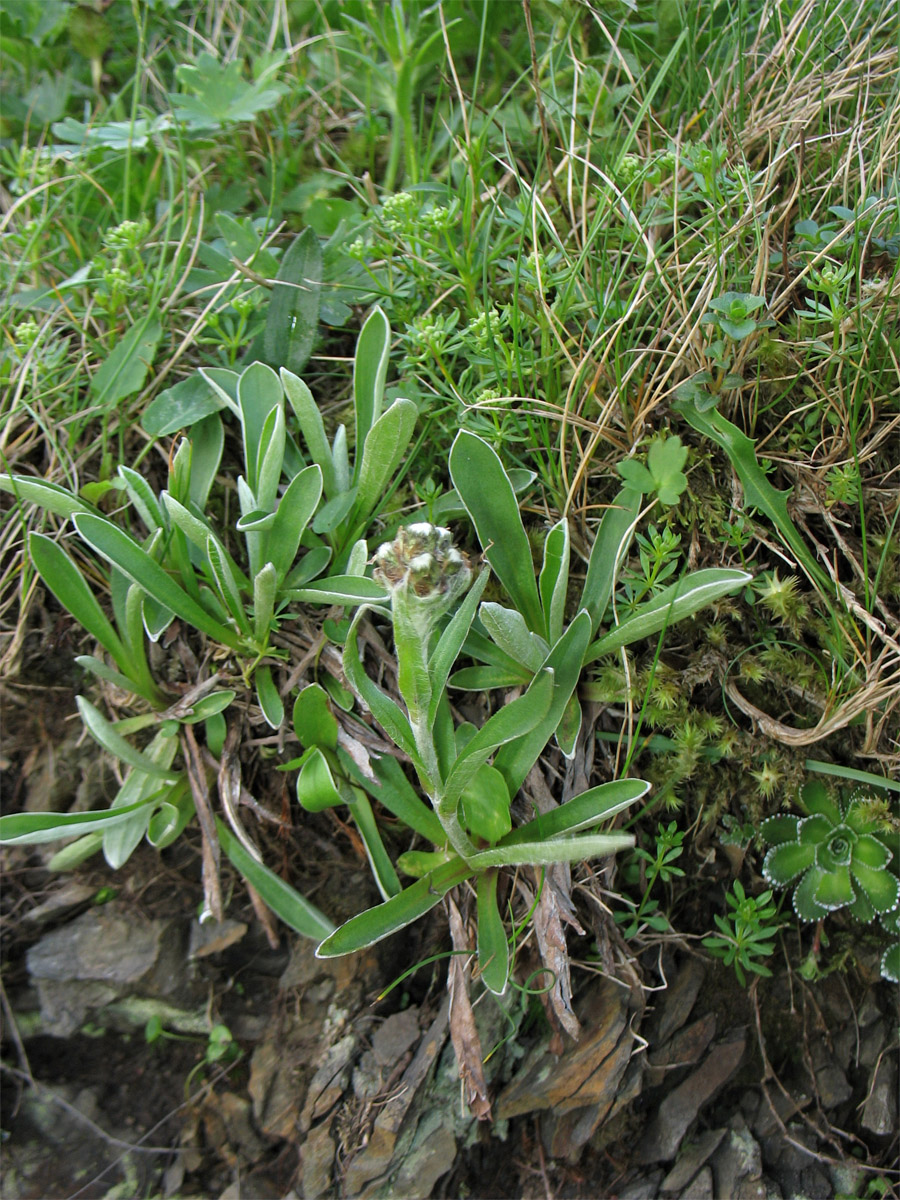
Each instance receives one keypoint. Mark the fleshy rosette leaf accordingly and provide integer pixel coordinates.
(834, 853)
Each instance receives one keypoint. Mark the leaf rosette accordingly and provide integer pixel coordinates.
(833, 855)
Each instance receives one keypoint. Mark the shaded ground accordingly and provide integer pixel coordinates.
(683, 1083)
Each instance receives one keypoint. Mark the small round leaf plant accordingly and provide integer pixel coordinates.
(835, 856)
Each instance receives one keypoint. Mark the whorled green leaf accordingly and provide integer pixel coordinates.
(804, 900)
(835, 889)
(817, 801)
(399, 797)
(340, 589)
(780, 828)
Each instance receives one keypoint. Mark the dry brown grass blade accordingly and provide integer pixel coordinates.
(463, 1032)
(193, 762)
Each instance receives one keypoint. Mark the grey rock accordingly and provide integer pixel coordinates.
(691, 1159)
(871, 1042)
(680, 999)
(102, 956)
(832, 1086)
(868, 1010)
(432, 1155)
(316, 1162)
(680, 1108)
(701, 1188)
(395, 1036)
(645, 1188)
(737, 1165)
(880, 1112)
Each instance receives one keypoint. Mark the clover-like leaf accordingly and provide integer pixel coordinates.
(662, 474)
(220, 93)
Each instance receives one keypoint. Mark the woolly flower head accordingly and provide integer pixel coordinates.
(422, 563)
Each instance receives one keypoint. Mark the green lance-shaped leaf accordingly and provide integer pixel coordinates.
(493, 947)
(673, 604)
(399, 797)
(312, 427)
(382, 868)
(227, 584)
(608, 553)
(589, 845)
(31, 829)
(339, 589)
(450, 643)
(312, 718)
(269, 700)
(508, 725)
(171, 815)
(285, 902)
(50, 496)
(369, 372)
(119, 842)
(584, 811)
(141, 495)
(507, 628)
(293, 314)
(295, 510)
(68, 585)
(259, 391)
(758, 492)
(484, 805)
(316, 787)
(118, 548)
(264, 588)
(110, 739)
(389, 715)
(553, 584)
(517, 757)
(485, 490)
(371, 926)
(386, 443)
(270, 460)
(125, 370)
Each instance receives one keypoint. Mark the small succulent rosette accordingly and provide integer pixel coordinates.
(835, 855)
